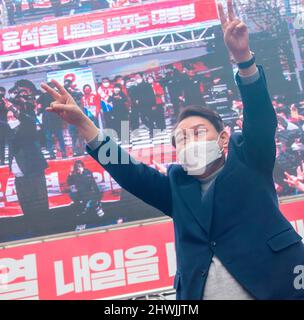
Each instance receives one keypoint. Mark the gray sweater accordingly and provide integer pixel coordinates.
(220, 284)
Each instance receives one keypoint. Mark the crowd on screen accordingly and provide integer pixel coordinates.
(141, 99)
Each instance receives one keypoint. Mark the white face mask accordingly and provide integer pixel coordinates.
(197, 155)
(80, 170)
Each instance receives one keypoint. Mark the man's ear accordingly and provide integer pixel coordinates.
(224, 139)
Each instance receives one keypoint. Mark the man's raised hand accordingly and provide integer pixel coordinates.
(64, 104)
(236, 34)
(66, 107)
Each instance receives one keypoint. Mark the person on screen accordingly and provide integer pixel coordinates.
(105, 91)
(231, 240)
(77, 141)
(134, 108)
(85, 193)
(52, 127)
(158, 109)
(120, 110)
(121, 80)
(26, 160)
(145, 101)
(174, 82)
(91, 104)
(192, 94)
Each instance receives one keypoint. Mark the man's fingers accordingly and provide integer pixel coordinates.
(241, 26)
(57, 107)
(51, 91)
(232, 26)
(222, 15)
(59, 87)
(231, 15)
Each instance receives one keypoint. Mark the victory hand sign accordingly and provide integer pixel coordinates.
(236, 35)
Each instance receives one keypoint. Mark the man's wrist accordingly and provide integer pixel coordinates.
(242, 57)
(247, 79)
(97, 141)
(245, 57)
(249, 71)
(87, 129)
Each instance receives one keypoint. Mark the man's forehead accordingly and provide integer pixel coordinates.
(194, 122)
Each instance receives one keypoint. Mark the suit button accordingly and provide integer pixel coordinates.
(204, 273)
(213, 244)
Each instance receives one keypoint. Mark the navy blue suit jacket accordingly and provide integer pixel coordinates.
(237, 219)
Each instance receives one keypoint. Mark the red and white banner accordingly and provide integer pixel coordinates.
(57, 174)
(95, 266)
(101, 265)
(101, 25)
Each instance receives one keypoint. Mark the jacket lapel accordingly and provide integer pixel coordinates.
(201, 207)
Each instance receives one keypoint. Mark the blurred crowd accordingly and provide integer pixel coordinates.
(289, 167)
(141, 98)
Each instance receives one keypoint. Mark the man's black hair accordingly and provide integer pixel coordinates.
(198, 111)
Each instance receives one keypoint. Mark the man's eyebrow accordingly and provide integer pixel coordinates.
(197, 126)
(193, 127)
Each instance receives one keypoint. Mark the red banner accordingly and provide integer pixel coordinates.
(101, 25)
(94, 266)
(100, 265)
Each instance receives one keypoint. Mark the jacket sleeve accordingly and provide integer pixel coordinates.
(142, 181)
(259, 124)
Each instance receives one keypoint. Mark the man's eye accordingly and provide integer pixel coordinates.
(200, 132)
(180, 139)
